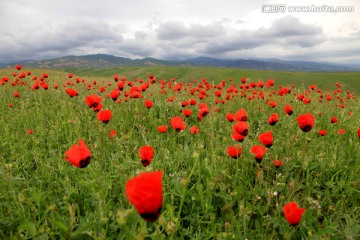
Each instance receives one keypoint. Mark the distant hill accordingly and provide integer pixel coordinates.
(106, 61)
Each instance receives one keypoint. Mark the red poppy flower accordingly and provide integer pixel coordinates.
(230, 117)
(358, 133)
(187, 112)
(306, 122)
(266, 138)
(70, 75)
(146, 154)
(194, 130)
(334, 120)
(293, 213)
(237, 136)
(177, 123)
(112, 133)
(234, 151)
(276, 163)
(241, 115)
(341, 131)
(322, 132)
(203, 111)
(78, 155)
(93, 101)
(242, 128)
(145, 192)
(272, 104)
(192, 101)
(30, 131)
(114, 94)
(45, 86)
(259, 152)
(162, 129)
(312, 87)
(306, 100)
(273, 119)
(18, 67)
(288, 110)
(148, 103)
(71, 92)
(16, 94)
(104, 116)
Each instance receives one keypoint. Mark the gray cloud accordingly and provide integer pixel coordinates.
(178, 30)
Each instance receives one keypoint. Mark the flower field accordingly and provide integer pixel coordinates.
(146, 157)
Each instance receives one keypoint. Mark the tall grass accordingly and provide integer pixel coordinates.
(207, 194)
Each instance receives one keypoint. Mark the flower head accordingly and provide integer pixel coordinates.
(104, 116)
(306, 122)
(145, 192)
(146, 154)
(293, 213)
(78, 155)
(267, 139)
(234, 151)
(162, 129)
(258, 152)
(273, 119)
(288, 109)
(177, 123)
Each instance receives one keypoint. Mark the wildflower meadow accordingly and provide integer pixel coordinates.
(109, 155)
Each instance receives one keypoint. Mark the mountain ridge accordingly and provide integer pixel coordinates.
(107, 60)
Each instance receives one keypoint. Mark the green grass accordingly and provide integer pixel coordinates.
(207, 194)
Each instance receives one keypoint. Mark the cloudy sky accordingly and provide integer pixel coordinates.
(179, 29)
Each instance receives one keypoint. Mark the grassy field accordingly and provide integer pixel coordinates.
(206, 194)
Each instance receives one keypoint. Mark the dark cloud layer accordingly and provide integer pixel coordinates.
(166, 40)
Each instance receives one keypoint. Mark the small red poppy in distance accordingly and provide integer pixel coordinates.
(234, 151)
(16, 94)
(358, 133)
(306, 122)
(266, 138)
(259, 152)
(177, 123)
(30, 131)
(288, 109)
(104, 116)
(230, 117)
(112, 133)
(276, 163)
(78, 155)
(145, 193)
(341, 131)
(146, 154)
(148, 103)
(187, 112)
(162, 129)
(194, 130)
(334, 120)
(293, 213)
(322, 132)
(18, 67)
(71, 92)
(273, 119)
